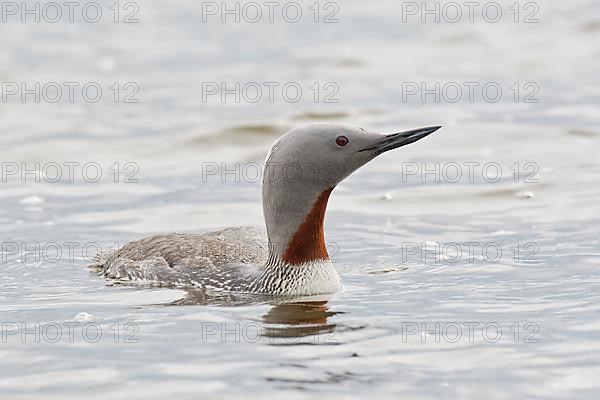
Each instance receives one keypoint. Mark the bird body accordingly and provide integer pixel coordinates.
(233, 260)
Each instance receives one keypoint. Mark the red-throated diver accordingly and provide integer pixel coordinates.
(292, 258)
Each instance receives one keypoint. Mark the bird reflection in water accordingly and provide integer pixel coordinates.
(298, 319)
(287, 318)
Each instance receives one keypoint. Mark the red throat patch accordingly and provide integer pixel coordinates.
(308, 243)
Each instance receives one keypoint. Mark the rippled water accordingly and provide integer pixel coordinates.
(420, 316)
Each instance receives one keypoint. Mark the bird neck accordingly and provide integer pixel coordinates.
(295, 225)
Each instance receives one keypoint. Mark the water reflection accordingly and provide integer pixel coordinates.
(204, 297)
(287, 318)
(298, 319)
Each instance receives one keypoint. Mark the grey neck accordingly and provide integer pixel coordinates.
(287, 201)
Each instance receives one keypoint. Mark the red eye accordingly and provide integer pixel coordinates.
(342, 141)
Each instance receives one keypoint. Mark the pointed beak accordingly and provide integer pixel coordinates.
(395, 140)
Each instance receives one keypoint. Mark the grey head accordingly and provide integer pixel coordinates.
(302, 168)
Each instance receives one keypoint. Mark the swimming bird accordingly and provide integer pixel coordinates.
(301, 170)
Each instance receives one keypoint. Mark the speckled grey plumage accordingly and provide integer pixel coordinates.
(211, 260)
(233, 260)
